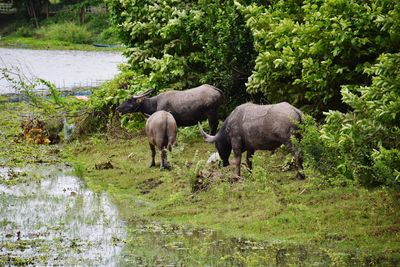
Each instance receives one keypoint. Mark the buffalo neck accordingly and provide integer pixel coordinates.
(149, 105)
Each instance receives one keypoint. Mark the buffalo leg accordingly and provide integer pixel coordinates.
(299, 162)
(213, 122)
(153, 154)
(249, 159)
(238, 160)
(298, 156)
(164, 162)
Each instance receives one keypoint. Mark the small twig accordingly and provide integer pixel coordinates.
(302, 191)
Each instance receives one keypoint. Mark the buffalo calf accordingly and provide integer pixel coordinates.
(161, 131)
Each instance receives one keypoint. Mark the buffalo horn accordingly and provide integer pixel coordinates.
(145, 93)
(208, 138)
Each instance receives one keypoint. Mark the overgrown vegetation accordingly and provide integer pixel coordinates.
(337, 57)
(179, 44)
(307, 50)
(317, 55)
(62, 30)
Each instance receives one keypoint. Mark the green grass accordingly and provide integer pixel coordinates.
(34, 43)
(268, 205)
(62, 31)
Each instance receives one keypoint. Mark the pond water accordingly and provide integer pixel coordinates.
(66, 69)
(47, 217)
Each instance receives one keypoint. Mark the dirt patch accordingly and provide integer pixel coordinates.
(104, 166)
(212, 174)
(147, 185)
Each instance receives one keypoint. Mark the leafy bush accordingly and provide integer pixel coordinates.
(68, 32)
(308, 49)
(114, 92)
(65, 26)
(316, 154)
(24, 31)
(386, 166)
(68, 13)
(180, 44)
(364, 144)
(108, 36)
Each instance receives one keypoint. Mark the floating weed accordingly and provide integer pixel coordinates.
(78, 169)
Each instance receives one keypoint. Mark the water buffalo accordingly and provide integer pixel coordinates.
(252, 127)
(188, 107)
(161, 132)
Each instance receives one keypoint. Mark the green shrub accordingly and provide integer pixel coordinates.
(316, 154)
(192, 133)
(67, 32)
(24, 31)
(308, 49)
(67, 14)
(366, 141)
(114, 92)
(180, 44)
(386, 166)
(133, 122)
(108, 36)
(97, 22)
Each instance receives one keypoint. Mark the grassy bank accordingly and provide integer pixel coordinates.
(61, 31)
(268, 206)
(34, 43)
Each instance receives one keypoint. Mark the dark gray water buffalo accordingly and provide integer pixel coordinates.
(188, 107)
(252, 127)
(161, 132)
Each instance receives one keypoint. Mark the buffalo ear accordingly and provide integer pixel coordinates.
(208, 138)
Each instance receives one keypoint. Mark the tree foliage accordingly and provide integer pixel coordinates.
(180, 44)
(367, 140)
(308, 49)
(319, 55)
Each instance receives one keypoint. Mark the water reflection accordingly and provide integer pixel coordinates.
(56, 221)
(156, 244)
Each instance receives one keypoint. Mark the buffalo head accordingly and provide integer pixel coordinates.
(223, 147)
(133, 104)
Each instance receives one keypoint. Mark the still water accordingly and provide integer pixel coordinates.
(64, 68)
(48, 217)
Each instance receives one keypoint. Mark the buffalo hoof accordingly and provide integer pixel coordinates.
(236, 178)
(166, 166)
(300, 176)
(152, 164)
